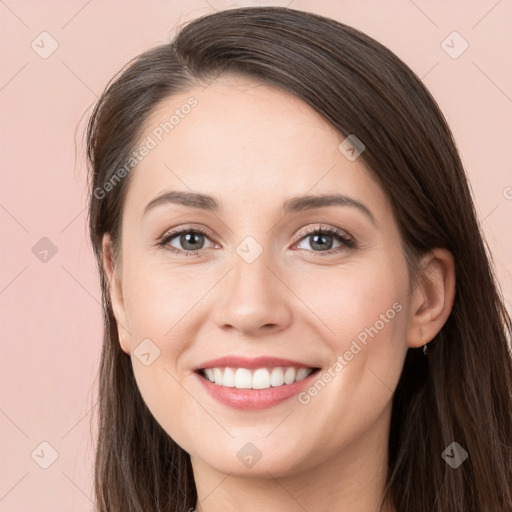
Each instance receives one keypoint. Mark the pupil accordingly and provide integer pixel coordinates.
(323, 243)
(189, 239)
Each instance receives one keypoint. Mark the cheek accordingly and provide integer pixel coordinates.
(168, 403)
(361, 300)
(160, 298)
(158, 303)
(167, 304)
(360, 312)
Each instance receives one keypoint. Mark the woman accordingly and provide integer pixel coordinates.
(300, 313)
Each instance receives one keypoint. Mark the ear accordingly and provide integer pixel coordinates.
(433, 297)
(112, 270)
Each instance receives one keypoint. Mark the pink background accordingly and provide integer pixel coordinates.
(51, 314)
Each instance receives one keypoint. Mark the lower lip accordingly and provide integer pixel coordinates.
(253, 399)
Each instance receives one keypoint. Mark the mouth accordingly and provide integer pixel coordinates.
(256, 378)
(254, 389)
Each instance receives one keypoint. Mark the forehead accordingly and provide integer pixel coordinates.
(244, 141)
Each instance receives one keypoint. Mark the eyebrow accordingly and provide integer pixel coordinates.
(292, 205)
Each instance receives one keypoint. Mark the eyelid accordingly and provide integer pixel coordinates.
(186, 228)
(304, 232)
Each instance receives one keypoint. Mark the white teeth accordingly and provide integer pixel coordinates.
(289, 375)
(302, 373)
(261, 378)
(243, 379)
(277, 377)
(217, 374)
(229, 378)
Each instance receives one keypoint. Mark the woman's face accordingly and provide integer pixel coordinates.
(260, 283)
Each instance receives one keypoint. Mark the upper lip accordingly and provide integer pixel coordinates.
(251, 363)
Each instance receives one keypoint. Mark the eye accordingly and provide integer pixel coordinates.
(322, 239)
(191, 241)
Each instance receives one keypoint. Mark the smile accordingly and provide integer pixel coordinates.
(253, 390)
(260, 378)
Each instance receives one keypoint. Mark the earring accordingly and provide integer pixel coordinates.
(425, 348)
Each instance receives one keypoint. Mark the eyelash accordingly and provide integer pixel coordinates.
(346, 240)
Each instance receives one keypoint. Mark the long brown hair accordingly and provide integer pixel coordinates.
(461, 392)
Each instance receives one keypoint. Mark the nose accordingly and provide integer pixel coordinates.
(253, 299)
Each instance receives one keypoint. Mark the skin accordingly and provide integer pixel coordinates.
(253, 146)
